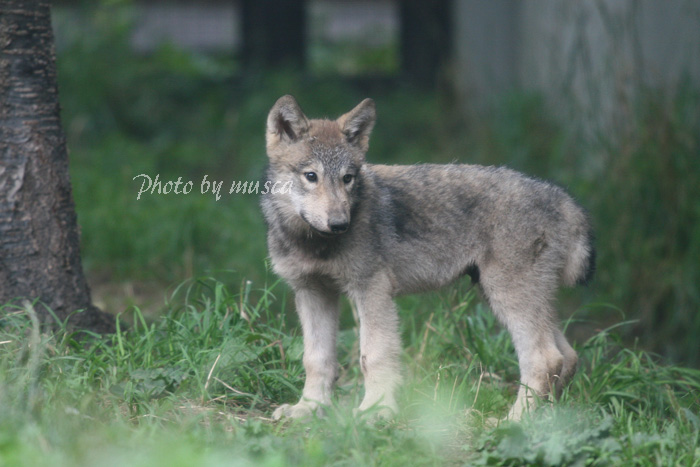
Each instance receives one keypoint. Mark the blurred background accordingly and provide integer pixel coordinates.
(601, 97)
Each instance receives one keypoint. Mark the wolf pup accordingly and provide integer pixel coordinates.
(373, 232)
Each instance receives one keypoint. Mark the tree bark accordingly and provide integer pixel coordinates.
(39, 240)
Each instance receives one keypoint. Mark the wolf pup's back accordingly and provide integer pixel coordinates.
(433, 213)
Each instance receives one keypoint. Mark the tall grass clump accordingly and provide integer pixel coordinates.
(647, 209)
(201, 374)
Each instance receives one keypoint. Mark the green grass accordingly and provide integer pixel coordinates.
(198, 385)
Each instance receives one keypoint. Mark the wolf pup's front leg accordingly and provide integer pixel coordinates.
(380, 346)
(318, 312)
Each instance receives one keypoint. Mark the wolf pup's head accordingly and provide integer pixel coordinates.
(322, 159)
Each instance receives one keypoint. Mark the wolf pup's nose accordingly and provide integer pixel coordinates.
(338, 227)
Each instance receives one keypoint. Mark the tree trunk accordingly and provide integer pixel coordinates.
(39, 241)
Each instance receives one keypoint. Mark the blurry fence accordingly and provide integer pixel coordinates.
(588, 58)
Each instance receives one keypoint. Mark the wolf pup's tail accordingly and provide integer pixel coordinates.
(580, 264)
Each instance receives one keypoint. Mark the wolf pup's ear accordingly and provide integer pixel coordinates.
(358, 123)
(286, 121)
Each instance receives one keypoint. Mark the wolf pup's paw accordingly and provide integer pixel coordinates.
(376, 413)
(300, 410)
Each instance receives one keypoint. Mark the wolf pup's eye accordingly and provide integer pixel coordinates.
(311, 176)
(347, 178)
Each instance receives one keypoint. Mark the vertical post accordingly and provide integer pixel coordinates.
(425, 39)
(274, 33)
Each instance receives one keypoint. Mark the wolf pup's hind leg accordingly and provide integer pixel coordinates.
(545, 358)
(318, 312)
(570, 362)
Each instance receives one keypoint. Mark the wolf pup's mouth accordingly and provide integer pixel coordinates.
(322, 233)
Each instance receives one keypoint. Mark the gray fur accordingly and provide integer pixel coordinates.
(411, 229)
